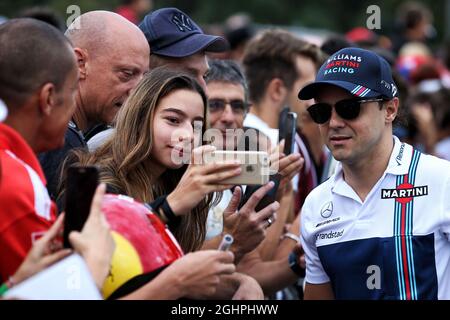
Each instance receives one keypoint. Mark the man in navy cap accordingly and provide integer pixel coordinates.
(379, 227)
(177, 41)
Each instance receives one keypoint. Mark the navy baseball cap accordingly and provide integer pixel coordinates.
(361, 72)
(171, 33)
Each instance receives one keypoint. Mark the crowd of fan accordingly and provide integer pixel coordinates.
(124, 96)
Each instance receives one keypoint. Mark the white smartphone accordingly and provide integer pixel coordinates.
(254, 165)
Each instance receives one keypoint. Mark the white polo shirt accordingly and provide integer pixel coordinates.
(395, 244)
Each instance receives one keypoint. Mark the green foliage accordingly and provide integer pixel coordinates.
(333, 15)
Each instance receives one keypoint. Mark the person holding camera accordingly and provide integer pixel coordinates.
(154, 130)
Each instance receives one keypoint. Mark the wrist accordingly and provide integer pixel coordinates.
(291, 236)
(295, 266)
(239, 279)
(98, 275)
(163, 209)
(238, 252)
(18, 277)
(97, 278)
(176, 278)
(12, 281)
(174, 204)
(158, 288)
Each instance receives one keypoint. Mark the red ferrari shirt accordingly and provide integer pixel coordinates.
(26, 210)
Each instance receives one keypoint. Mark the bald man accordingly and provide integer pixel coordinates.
(112, 56)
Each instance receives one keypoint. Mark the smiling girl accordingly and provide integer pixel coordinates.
(153, 129)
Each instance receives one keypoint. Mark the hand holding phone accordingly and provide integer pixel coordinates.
(254, 166)
(288, 134)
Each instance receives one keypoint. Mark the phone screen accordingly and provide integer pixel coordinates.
(291, 124)
(81, 184)
(288, 122)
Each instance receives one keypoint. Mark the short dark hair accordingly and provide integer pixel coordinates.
(271, 55)
(32, 53)
(412, 13)
(160, 61)
(314, 53)
(45, 14)
(334, 43)
(226, 71)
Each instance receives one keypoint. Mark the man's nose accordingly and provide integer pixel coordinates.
(227, 115)
(336, 121)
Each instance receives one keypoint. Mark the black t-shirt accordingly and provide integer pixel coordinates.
(52, 161)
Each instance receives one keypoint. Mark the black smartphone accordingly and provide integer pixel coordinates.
(282, 122)
(81, 184)
(289, 134)
(287, 125)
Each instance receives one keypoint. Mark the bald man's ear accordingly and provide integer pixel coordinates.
(82, 57)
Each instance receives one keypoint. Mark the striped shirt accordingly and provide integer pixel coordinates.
(26, 210)
(395, 244)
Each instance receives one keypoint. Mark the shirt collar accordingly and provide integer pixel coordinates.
(398, 165)
(11, 140)
(253, 121)
(340, 186)
(400, 158)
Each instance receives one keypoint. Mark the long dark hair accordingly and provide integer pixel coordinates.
(123, 158)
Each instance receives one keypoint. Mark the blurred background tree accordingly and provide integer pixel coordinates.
(333, 15)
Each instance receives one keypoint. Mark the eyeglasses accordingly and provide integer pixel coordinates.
(348, 109)
(218, 105)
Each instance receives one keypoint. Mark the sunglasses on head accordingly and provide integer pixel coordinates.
(348, 109)
(218, 105)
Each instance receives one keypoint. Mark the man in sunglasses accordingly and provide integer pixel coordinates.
(379, 227)
(227, 89)
(228, 107)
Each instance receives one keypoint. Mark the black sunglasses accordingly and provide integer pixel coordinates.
(218, 105)
(348, 109)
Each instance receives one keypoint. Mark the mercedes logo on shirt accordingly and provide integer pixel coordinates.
(327, 210)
